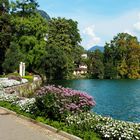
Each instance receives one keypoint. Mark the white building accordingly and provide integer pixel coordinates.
(82, 69)
(84, 55)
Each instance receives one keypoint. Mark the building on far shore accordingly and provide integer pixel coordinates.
(79, 71)
(82, 69)
(84, 56)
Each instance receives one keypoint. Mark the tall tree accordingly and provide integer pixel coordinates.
(29, 29)
(13, 57)
(63, 42)
(4, 6)
(5, 30)
(96, 67)
(123, 55)
(24, 8)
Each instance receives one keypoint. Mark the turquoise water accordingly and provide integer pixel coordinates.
(119, 99)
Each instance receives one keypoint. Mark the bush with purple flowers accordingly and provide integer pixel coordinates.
(58, 102)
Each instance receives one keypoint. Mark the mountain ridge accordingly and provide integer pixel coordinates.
(44, 14)
(101, 48)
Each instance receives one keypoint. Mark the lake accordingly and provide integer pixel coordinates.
(119, 99)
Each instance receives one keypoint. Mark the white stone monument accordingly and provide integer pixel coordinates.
(22, 69)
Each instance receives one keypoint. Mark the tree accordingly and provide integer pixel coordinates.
(5, 30)
(77, 52)
(58, 64)
(63, 42)
(29, 29)
(122, 69)
(4, 6)
(13, 57)
(24, 8)
(96, 67)
(122, 57)
(110, 71)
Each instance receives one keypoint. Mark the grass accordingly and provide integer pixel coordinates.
(85, 135)
(28, 77)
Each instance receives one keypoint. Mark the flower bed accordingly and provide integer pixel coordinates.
(5, 82)
(12, 98)
(107, 127)
(26, 104)
(54, 103)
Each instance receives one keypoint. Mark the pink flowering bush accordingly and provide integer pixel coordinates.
(58, 102)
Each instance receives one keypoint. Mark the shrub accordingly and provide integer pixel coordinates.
(58, 102)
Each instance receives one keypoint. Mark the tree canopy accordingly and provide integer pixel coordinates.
(5, 30)
(48, 46)
(63, 41)
(51, 46)
(121, 58)
(28, 31)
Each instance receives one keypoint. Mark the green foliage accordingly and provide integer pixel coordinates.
(96, 66)
(51, 47)
(110, 71)
(28, 31)
(121, 57)
(4, 6)
(22, 39)
(77, 52)
(58, 64)
(24, 8)
(62, 45)
(29, 78)
(47, 106)
(5, 30)
(13, 57)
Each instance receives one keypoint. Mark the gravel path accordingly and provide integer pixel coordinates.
(14, 128)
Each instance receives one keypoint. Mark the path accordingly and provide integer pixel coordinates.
(14, 128)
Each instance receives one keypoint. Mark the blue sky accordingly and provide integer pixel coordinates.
(99, 20)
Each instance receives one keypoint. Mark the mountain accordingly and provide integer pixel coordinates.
(101, 48)
(44, 14)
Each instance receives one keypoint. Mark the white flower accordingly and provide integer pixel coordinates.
(106, 126)
(5, 82)
(26, 104)
(8, 97)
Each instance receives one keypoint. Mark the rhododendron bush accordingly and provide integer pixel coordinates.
(58, 102)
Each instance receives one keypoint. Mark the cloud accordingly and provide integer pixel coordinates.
(137, 26)
(105, 28)
(91, 38)
(139, 15)
(129, 32)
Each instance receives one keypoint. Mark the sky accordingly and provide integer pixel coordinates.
(98, 20)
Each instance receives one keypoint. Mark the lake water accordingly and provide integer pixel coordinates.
(119, 99)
